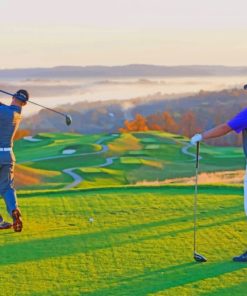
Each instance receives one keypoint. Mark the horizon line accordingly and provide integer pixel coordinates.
(124, 65)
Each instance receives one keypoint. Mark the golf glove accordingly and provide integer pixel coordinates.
(196, 138)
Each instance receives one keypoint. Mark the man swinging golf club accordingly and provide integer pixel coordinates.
(10, 117)
(237, 124)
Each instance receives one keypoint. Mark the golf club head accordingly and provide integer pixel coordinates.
(68, 119)
(199, 258)
(245, 86)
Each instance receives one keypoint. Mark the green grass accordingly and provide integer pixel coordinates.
(103, 177)
(140, 243)
(54, 144)
(150, 156)
(67, 162)
(141, 240)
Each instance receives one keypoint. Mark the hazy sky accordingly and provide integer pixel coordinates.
(47, 33)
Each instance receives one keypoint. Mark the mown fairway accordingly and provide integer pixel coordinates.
(140, 238)
(140, 243)
(137, 157)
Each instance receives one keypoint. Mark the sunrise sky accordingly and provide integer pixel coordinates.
(115, 32)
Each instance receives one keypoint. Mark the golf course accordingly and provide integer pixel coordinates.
(112, 214)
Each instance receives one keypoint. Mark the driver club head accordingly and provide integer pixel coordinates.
(245, 86)
(68, 119)
(199, 258)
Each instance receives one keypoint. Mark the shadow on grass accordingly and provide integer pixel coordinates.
(163, 279)
(238, 289)
(83, 243)
(163, 189)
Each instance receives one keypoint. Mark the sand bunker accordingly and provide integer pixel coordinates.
(69, 151)
(31, 139)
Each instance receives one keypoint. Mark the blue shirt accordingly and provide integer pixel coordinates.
(10, 117)
(239, 122)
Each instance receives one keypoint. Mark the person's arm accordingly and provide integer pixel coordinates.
(237, 124)
(218, 131)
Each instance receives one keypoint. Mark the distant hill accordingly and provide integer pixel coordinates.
(121, 71)
(209, 108)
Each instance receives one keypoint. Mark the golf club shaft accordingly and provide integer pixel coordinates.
(7, 93)
(47, 108)
(195, 195)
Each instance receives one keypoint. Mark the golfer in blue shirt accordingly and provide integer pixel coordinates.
(10, 117)
(237, 124)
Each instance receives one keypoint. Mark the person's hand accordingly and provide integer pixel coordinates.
(196, 138)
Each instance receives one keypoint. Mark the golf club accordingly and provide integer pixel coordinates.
(67, 117)
(197, 257)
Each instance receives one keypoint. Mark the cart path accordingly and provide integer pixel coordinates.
(78, 179)
(70, 171)
(185, 151)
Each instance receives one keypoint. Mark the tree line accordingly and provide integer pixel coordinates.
(185, 124)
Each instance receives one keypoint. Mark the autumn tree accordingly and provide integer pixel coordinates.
(136, 125)
(169, 123)
(162, 122)
(188, 124)
(21, 134)
(154, 122)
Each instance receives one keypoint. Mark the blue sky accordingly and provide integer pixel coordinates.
(115, 32)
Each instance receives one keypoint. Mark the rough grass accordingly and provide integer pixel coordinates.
(124, 143)
(226, 177)
(32, 178)
(140, 243)
(140, 157)
(25, 176)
